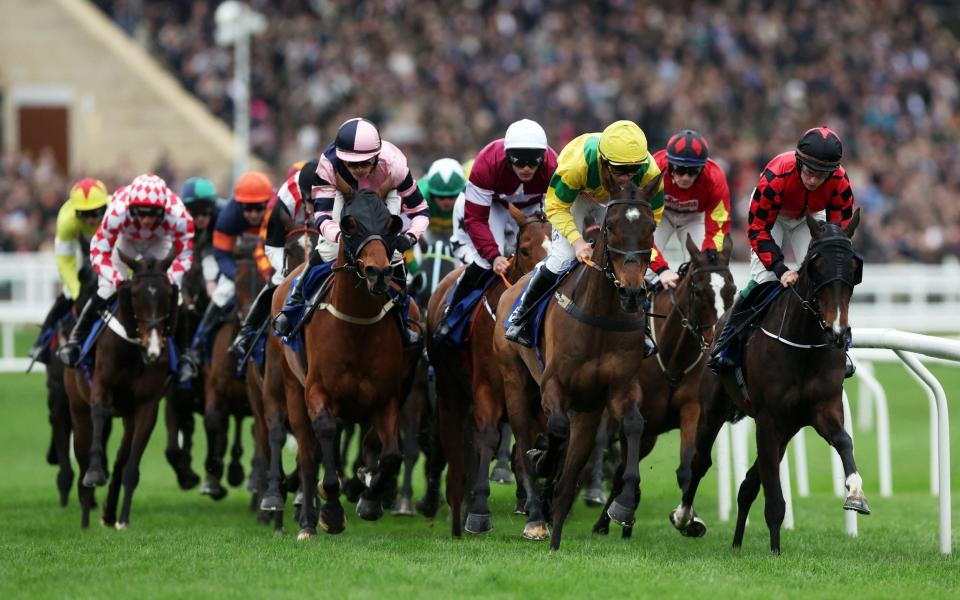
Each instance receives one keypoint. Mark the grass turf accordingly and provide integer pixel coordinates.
(183, 544)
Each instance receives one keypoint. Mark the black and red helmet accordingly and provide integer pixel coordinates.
(687, 148)
(820, 149)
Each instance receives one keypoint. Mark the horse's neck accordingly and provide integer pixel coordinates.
(514, 272)
(790, 318)
(671, 328)
(593, 293)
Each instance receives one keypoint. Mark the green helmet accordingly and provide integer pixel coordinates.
(198, 189)
(445, 178)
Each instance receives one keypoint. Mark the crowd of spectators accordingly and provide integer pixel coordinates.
(443, 77)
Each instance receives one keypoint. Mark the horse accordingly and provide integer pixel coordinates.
(671, 382)
(183, 402)
(123, 383)
(270, 413)
(356, 365)
(469, 385)
(225, 394)
(592, 329)
(793, 364)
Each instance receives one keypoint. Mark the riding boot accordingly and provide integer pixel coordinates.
(70, 352)
(189, 366)
(649, 346)
(61, 306)
(281, 324)
(720, 359)
(471, 280)
(258, 312)
(409, 337)
(520, 322)
(849, 369)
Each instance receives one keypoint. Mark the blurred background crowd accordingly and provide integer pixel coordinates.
(444, 77)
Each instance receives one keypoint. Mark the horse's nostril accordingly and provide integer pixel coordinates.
(370, 272)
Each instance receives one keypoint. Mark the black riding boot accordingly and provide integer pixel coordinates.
(649, 346)
(409, 337)
(189, 366)
(719, 357)
(519, 330)
(471, 280)
(282, 324)
(70, 353)
(61, 306)
(259, 311)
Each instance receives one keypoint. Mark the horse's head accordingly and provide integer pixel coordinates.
(533, 238)
(830, 271)
(148, 303)
(368, 238)
(707, 287)
(626, 240)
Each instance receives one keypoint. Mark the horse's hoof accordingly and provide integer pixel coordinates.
(621, 515)
(235, 474)
(594, 497)
(858, 504)
(368, 510)
(107, 523)
(536, 531)
(212, 488)
(52, 455)
(502, 474)
(428, 506)
(298, 498)
(479, 523)
(332, 521)
(696, 529)
(271, 503)
(120, 526)
(352, 488)
(404, 507)
(94, 478)
(187, 479)
(306, 533)
(520, 508)
(602, 527)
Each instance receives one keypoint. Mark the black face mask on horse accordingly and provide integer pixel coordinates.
(365, 218)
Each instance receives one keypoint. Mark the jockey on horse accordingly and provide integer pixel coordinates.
(286, 214)
(358, 158)
(242, 215)
(591, 166)
(794, 184)
(513, 170)
(77, 221)
(146, 218)
(200, 197)
(441, 187)
(696, 195)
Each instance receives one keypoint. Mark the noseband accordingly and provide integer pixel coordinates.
(695, 329)
(628, 255)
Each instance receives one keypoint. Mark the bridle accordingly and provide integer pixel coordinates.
(606, 267)
(695, 328)
(535, 218)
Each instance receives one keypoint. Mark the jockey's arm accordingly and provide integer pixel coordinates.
(103, 241)
(716, 216)
(277, 228)
(764, 210)
(840, 208)
(414, 206)
(476, 220)
(182, 228)
(65, 246)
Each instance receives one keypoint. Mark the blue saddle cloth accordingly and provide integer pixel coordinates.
(460, 317)
(203, 337)
(258, 354)
(88, 356)
(539, 310)
(315, 275)
(756, 303)
(47, 341)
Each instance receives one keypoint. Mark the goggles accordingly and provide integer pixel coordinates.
(680, 170)
(147, 211)
(93, 213)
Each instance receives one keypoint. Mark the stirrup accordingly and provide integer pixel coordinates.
(649, 346)
(69, 354)
(519, 333)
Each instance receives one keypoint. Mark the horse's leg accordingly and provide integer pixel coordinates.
(593, 495)
(61, 441)
(276, 438)
(82, 438)
(829, 424)
(518, 393)
(386, 425)
(109, 516)
(96, 474)
(487, 410)
(501, 471)
(451, 407)
(187, 426)
(749, 489)
(411, 452)
(216, 422)
(235, 469)
(309, 468)
(602, 526)
(689, 418)
(770, 445)
(624, 506)
(144, 418)
(583, 430)
(332, 517)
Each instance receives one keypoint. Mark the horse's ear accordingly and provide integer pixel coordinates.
(653, 186)
(727, 249)
(349, 225)
(516, 213)
(814, 226)
(692, 247)
(130, 261)
(394, 225)
(852, 225)
(167, 261)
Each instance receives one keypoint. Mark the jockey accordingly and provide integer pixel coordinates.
(808, 180)
(242, 215)
(77, 221)
(200, 197)
(287, 212)
(145, 218)
(591, 167)
(513, 170)
(696, 195)
(359, 158)
(442, 185)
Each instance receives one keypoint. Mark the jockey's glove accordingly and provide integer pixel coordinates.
(405, 242)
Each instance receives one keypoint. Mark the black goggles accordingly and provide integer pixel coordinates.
(370, 162)
(525, 158)
(685, 170)
(93, 213)
(254, 207)
(631, 169)
(200, 210)
(147, 211)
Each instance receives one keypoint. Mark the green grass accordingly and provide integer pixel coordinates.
(182, 544)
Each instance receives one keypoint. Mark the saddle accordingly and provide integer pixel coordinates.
(462, 316)
(539, 310)
(106, 320)
(315, 288)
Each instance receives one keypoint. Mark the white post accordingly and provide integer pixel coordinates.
(864, 396)
(723, 473)
(435, 274)
(241, 103)
(869, 382)
(800, 456)
(739, 432)
(786, 490)
(850, 516)
(8, 339)
(943, 449)
(934, 437)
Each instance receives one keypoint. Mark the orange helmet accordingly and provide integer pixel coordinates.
(253, 187)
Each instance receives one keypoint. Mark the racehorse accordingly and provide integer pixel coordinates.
(183, 402)
(471, 373)
(671, 381)
(591, 333)
(356, 365)
(225, 394)
(793, 364)
(123, 383)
